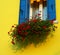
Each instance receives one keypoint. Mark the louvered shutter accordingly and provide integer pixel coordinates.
(51, 10)
(24, 11)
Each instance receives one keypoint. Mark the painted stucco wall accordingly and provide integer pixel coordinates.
(9, 12)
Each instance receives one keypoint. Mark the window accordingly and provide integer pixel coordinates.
(38, 7)
(30, 8)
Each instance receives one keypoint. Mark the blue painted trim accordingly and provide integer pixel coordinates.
(51, 9)
(24, 11)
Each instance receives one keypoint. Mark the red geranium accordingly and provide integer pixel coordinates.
(51, 21)
(24, 28)
(21, 25)
(39, 14)
(28, 27)
(25, 33)
(34, 20)
(44, 27)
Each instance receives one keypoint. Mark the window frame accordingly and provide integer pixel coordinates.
(51, 4)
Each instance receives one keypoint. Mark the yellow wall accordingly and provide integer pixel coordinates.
(9, 10)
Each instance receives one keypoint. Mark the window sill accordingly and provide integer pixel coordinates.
(55, 21)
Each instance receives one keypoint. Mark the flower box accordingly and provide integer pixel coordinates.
(32, 31)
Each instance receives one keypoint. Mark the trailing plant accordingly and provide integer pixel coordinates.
(32, 31)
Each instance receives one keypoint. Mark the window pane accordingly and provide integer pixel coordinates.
(44, 10)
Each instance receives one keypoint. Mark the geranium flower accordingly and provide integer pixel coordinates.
(39, 14)
(24, 28)
(34, 20)
(25, 33)
(44, 27)
(28, 27)
(21, 25)
(51, 21)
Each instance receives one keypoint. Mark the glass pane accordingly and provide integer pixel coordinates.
(38, 7)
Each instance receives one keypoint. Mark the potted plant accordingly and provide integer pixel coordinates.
(32, 31)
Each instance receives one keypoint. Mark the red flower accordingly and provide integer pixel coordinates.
(14, 36)
(35, 20)
(23, 38)
(25, 33)
(21, 25)
(24, 29)
(39, 14)
(28, 27)
(51, 21)
(44, 27)
(19, 31)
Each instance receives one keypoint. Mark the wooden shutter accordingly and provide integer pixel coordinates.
(24, 11)
(51, 9)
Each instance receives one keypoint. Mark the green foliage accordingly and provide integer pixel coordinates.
(32, 31)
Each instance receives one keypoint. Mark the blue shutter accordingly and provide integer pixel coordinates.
(24, 11)
(51, 9)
